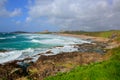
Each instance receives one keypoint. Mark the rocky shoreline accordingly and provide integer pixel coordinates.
(50, 65)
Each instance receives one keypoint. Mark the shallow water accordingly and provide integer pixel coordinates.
(20, 46)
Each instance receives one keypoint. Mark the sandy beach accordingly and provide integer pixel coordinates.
(111, 44)
(99, 39)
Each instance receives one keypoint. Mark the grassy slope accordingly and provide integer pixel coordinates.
(107, 70)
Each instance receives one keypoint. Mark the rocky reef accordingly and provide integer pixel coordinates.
(50, 65)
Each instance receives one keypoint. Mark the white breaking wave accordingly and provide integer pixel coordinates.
(61, 41)
(35, 41)
(11, 37)
(9, 56)
(42, 39)
(31, 53)
(18, 55)
(58, 50)
(32, 37)
(2, 38)
(56, 41)
(50, 41)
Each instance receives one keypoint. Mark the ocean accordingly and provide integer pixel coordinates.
(21, 46)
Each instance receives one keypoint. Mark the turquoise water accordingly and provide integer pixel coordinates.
(21, 46)
(23, 41)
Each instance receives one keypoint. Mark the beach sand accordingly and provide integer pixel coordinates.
(99, 39)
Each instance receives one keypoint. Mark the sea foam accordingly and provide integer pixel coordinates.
(9, 56)
(66, 43)
(2, 38)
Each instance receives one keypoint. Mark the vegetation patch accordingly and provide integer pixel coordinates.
(106, 70)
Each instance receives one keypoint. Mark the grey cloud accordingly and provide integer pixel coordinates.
(78, 14)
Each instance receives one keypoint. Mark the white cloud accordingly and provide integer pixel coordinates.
(16, 12)
(28, 19)
(5, 13)
(78, 14)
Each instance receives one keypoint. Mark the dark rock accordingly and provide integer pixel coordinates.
(50, 65)
(24, 67)
(48, 52)
(97, 47)
(3, 50)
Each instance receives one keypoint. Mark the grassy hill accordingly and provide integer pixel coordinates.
(107, 70)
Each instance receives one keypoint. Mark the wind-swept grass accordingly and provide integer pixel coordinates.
(107, 70)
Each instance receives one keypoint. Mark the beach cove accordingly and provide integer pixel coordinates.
(75, 51)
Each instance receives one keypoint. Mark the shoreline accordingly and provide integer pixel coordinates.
(98, 39)
(48, 65)
(110, 42)
(49, 52)
(51, 65)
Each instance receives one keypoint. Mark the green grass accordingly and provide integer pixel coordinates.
(107, 70)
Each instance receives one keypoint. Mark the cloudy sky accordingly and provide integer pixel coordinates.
(55, 15)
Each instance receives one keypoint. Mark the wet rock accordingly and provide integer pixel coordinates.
(52, 64)
(27, 59)
(48, 52)
(3, 51)
(15, 70)
(94, 47)
(24, 67)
